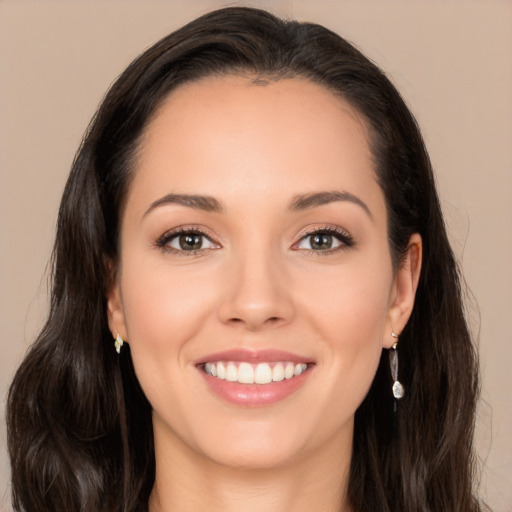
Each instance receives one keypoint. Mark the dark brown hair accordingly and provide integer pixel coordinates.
(79, 426)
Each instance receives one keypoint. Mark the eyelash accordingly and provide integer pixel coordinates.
(341, 235)
(166, 238)
(344, 237)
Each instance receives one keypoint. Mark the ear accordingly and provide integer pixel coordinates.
(115, 312)
(404, 290)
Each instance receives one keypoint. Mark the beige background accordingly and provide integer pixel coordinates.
(452, 60)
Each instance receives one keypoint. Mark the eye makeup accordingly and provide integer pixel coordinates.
(186, 241)
(324, 240)
(193, 240)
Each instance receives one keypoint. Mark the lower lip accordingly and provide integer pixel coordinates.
(255, 395)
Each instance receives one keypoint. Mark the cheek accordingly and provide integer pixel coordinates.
(356, 333)
(164, 307)
(351, 303)
(350, 314)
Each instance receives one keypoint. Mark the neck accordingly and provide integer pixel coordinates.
(188, 482)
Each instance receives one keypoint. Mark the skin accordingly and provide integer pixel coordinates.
(256, 283)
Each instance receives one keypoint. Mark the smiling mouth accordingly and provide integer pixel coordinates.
(247, 373)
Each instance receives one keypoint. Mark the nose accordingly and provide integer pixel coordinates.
(258, 295)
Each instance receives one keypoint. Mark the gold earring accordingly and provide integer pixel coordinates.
(398, 389)
(118, 343)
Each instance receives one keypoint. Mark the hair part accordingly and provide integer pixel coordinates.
(79, 426)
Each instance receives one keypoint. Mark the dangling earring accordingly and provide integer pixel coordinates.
(118, 343)
(398, 389)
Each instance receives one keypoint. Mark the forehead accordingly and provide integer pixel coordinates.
(219, 135)
(278, 106)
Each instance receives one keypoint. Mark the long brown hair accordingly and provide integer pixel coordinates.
(79, 427)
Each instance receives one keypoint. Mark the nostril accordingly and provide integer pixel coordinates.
(252, 323)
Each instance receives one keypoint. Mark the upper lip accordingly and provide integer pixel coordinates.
(253, 356)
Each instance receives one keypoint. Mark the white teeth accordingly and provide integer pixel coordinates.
(263, 374)
(278, 372)
(288, 371)
(231, 373)
(221, 370)
(247, 373)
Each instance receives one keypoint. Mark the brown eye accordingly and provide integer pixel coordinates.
(320, 241)
(186, 241)
(190, 242)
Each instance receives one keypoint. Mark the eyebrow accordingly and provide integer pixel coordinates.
(305, 201)
(205, 203)
(298, 203)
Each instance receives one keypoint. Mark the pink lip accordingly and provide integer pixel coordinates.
(254, 395)
(253, 356)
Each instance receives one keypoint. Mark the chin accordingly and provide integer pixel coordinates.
(254, 454)
(272, 443)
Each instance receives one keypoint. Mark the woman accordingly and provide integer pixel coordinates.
(254, 302)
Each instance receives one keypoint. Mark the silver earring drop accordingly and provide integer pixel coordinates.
(118, 343)
(398, 389)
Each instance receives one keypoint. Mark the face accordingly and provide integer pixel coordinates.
(254, 248)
